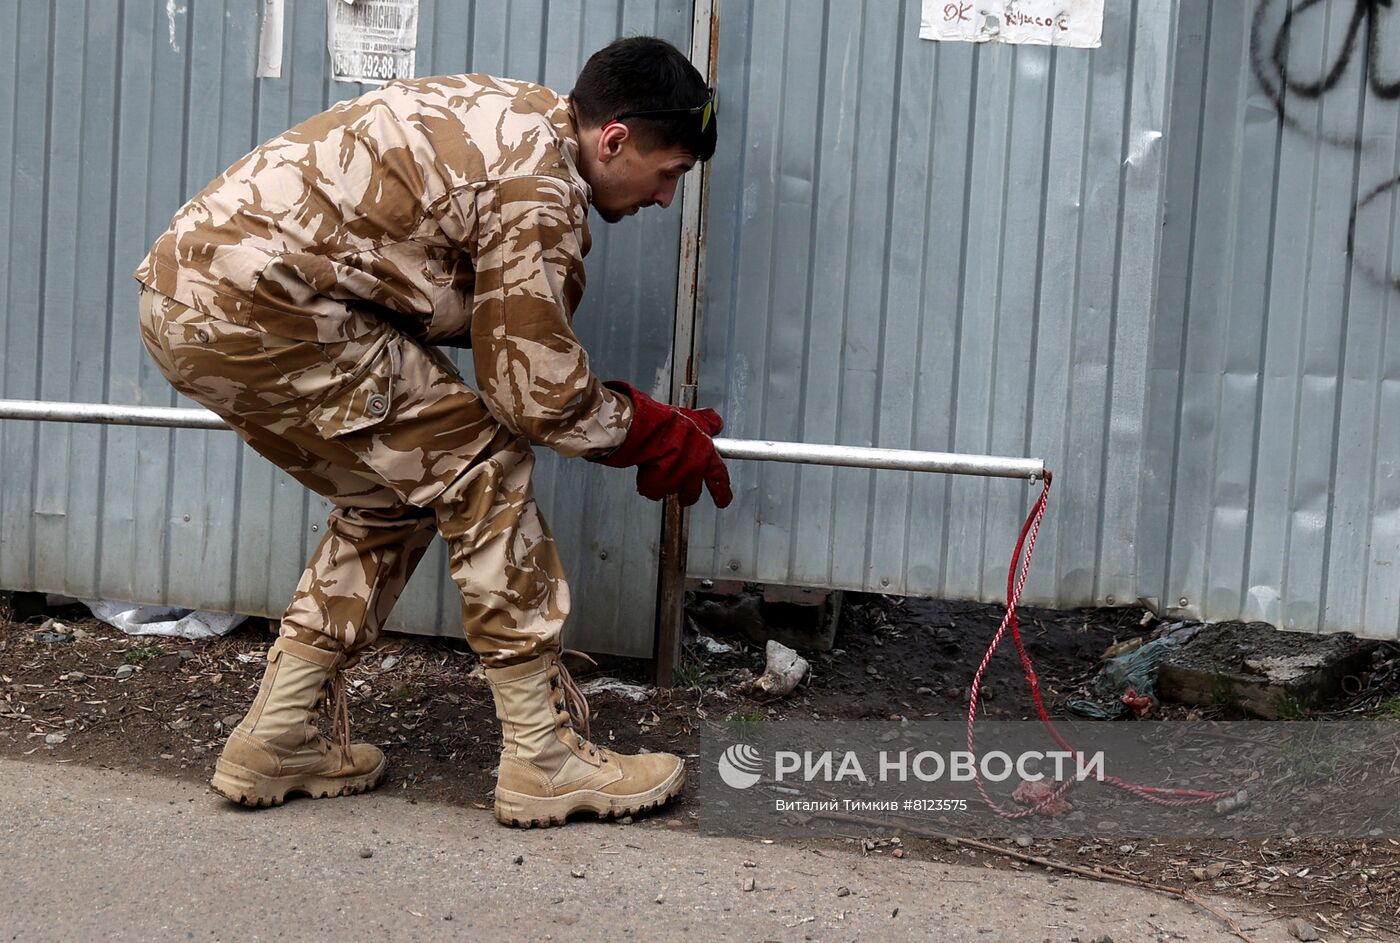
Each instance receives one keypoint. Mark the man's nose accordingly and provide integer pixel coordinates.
(664, 196)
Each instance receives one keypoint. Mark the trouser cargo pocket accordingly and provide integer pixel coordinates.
(364, 397)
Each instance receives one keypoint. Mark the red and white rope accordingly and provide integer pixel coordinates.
(1015, 583)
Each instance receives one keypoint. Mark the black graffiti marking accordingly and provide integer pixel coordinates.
(1270, 61)
(1381, 275)
(1364, 14)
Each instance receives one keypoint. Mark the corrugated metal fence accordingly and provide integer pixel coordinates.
(934, 246)
(1167, 267)
(1274, 447)
(114, 113)
(1132, 262)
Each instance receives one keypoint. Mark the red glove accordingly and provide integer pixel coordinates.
(672, 450)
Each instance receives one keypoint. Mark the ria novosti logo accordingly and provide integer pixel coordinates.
(740, 766)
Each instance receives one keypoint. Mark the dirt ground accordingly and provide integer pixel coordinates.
(425, 703)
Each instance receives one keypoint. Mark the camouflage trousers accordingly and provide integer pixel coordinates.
(385, 428)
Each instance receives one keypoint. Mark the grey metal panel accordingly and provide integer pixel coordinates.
(936, 246)
(1282, 502)
(1126, 262)
(118, 112)
(28, 184)
(1366, 539)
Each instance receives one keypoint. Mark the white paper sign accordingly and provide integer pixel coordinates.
(372, 41)
(1038, 22)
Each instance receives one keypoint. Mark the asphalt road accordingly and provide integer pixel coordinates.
(90, 854)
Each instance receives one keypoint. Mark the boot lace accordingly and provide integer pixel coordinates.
(338, 710)
(340, 713)
(572, 708)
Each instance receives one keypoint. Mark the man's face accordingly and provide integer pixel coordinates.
(628, 177)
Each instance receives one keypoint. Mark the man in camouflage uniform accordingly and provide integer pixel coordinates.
(302, 296)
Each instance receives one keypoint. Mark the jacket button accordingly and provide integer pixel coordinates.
(377, 405)
(203, 335)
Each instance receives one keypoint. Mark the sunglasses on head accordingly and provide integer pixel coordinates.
(705, 112)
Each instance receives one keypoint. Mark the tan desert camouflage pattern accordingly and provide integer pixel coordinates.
(383, 426)
(451, 207)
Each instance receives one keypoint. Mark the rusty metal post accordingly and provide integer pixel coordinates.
(670, 594)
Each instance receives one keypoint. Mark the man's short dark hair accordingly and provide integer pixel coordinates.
(646, 74)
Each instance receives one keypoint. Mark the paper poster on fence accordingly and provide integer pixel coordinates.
(372, 41)
(1036, 22)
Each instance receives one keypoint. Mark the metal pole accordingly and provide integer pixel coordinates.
(948, 463)
(801, 453)
(108, 415)
(685, 358)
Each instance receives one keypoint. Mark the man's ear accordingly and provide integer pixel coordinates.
(610, 140)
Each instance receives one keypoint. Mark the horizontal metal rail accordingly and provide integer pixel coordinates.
(801, 453)
(107, 415)
(947, 463)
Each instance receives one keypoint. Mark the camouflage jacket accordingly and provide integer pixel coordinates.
(451, 207)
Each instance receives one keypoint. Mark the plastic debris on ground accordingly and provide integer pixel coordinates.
(1126, 685)
(632, 692)
(713, 646)
(134, 619)
(784, 670)
(55, 632)
(1181, 632)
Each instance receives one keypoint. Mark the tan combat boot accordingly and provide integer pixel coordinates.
(277, 749)
(548, 770)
